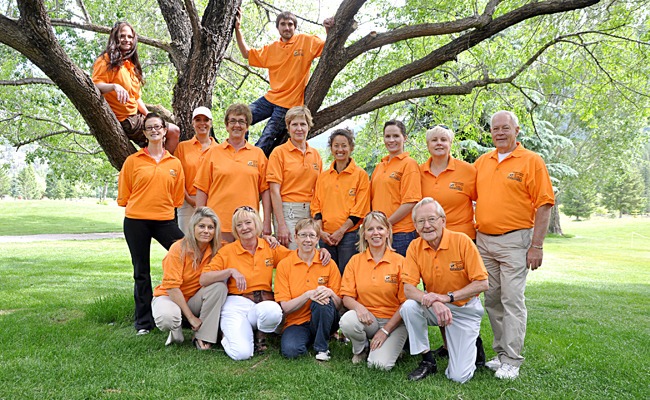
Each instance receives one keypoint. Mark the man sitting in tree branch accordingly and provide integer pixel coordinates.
(117, 74)
(288, 61)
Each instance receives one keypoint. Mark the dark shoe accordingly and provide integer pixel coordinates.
(425, 369)
(260, 343)
(480, 353)
(441, 352)
(201, 345)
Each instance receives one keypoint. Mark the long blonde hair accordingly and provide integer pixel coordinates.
(380, 217)
(189, 244)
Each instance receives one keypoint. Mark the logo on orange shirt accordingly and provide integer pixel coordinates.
(516, 176)
(268, 262)
(252, 163)
(456, 186)
(323, 280)
(172, 172)
(391, 278)
(352, 192)
(315, 166)
(456, 266)
(396, 175)
(298, 53)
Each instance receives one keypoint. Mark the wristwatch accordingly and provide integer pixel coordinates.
(451, 296)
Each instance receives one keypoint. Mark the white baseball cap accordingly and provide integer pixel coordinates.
(202, 111)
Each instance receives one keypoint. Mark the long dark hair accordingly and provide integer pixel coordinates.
(116, 58)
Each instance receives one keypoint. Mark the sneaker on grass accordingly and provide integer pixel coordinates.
(494, 364)
(507, 371)
(323, 356)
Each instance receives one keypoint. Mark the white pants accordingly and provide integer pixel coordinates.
(358, 333)
(184, 214)
(461, 334)
(205, 304)
(293, 212)
(239, 317)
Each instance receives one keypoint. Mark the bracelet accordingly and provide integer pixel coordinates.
(385, 331)
(537, 247)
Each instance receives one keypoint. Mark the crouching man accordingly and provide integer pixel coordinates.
(453, 274)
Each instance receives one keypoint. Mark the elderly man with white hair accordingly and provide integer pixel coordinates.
(453, 273)
(515, 196)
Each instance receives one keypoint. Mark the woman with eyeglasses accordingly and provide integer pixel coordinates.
(180, 295)
(395, 186)
(233, 174)
(452, 183)
(373, 291)
(341, 200)
(190, 152)
(150, 185)
(292, 173)
(308, 292)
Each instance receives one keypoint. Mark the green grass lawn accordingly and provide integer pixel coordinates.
(66, 332)
(29, 217)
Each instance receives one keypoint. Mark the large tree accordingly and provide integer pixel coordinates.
(437, 50)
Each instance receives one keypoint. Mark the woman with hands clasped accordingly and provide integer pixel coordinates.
(373, 291)
(180, 294)
(307, 290)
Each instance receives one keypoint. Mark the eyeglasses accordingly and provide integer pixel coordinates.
(234, 122)
(307, 235)
(153, 128)
(245, 208)
(431, 220)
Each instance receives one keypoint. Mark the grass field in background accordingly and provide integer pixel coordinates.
(66, 332)
(29, 217)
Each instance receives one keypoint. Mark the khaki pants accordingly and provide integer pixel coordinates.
(293, 212)
(358, 333)
(205, 304)
(505, 260)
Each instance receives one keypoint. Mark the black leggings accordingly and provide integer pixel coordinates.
(138, 234)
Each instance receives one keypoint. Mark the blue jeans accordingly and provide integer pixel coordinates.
(402, 240)
(342, 252)
(296, 338)
(275, 128)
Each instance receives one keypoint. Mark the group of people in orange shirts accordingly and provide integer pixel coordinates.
(349, 251)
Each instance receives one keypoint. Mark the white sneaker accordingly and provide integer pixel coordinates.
(494, 364)
(507, 371)
(142, 332)
(323, 356)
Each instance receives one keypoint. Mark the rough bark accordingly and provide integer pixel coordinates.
(554, 223)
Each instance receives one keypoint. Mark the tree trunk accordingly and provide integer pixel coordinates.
(554, 224)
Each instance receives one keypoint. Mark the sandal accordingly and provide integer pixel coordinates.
(199, 344)
(260, 343)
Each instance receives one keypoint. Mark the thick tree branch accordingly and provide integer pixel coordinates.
(27, 81)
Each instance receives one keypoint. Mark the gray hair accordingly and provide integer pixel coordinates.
(427, 200)
(513, 117)
(440, 129)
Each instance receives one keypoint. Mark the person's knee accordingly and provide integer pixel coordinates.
(270, 317)
(293, 350)
(239, 351)
(323, 309)
(458, 375)
(383, 365)
(217, 290)
(168, 321)
(409, 307)
(348, 321)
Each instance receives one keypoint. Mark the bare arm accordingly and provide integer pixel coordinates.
(243, 48)
(535, 252)
(266, 205)
(122, 94)
(210, 277)
(201, 198)
(177, 297)
(142, 108)
(401, 212)
(283, 233)
(294, 304)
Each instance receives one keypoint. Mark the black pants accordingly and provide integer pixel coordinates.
(138, 234)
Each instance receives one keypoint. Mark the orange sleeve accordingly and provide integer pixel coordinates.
(100, 71)
(124, 184)
(411, 185)
(411, 272)
(216, 264)
(335, 278)
(542, 188)
(349, 280)
(474, 262)
(280, 253)
(274, 170)
(401, 297)
(362, 202)
(179, 188)
(315, 207)
(172, 266)
(262, 165)
(203, 177)
(259, 57)
(281, 283)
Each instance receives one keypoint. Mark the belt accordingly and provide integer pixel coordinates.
(501, 234)
(258, 296)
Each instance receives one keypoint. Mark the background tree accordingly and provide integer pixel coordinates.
(623, 191)
(27, 186)
(579, 199)
(5, 180)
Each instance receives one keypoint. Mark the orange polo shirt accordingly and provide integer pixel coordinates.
(232, 179)
(453, 266)
(394, 183)
(294, 277)
(288, 64)
(125, 77)
(510, 191)
(151, 190)
(258, 268)
(340, 195)
(295, 171)
(378, 286)
(455, 189)
(190, 153)
(179, 273)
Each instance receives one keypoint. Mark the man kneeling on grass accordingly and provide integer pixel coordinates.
(453, 274)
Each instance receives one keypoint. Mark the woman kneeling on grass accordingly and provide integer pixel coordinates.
(373, 291)
(180, 294)
(307, 291)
